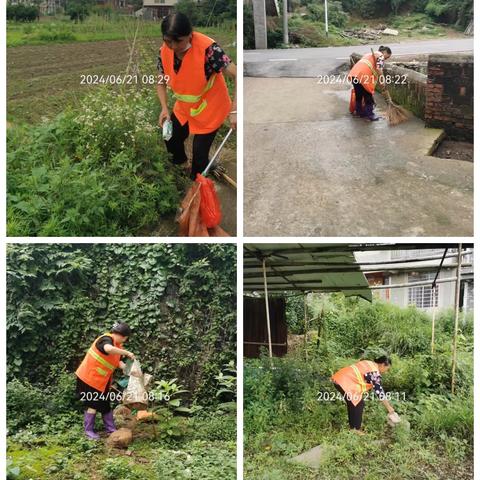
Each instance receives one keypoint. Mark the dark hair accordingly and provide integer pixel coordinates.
(384, 360)
(176, 25)
(381, 48)
(121, 328)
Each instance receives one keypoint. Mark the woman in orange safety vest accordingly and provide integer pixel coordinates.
(353, 381)
(95, 373)
(193, 66)
(365, 75)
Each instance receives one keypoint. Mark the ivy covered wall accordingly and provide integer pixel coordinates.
(179, 299)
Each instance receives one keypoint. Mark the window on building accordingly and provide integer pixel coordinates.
(407, 254)
(422, 296)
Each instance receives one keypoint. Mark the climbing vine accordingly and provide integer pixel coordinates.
(180, 301)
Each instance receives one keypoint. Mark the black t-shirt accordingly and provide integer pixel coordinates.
(102, 341)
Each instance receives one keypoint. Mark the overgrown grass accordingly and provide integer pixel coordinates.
(63, 452)
(96, 170)
(95, 28)
(284, 415)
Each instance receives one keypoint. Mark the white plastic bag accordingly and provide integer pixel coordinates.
(135, 395)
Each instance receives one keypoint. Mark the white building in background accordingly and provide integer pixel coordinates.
(409, 272)
(157, 9)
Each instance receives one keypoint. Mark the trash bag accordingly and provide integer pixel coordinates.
(135, 395)
(210, 210)
(190, 220)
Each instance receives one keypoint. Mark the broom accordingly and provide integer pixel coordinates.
(395, 113)
(200, 202)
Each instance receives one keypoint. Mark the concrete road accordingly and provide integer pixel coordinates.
(311, 62)
(311, 169)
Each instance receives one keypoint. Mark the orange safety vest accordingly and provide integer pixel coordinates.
(204, 105)
(97, 368)
(365, 70)
(352, 379)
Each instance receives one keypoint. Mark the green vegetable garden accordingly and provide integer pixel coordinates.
(286, 401)
(180, 302)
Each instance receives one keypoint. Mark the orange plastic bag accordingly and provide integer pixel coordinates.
(210, 210)
(352, 106)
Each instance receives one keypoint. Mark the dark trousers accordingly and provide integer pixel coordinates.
(201, 146)
(355, 413)
(361, 95)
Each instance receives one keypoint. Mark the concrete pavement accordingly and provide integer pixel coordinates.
(310, 169)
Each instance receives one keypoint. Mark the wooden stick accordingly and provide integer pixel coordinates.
(267, 310)
(457, 308)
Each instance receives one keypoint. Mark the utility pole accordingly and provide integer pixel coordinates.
(326, 18)
(285, 22)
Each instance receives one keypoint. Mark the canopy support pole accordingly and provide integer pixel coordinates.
(305, 339)
(434, 294)
(267, 310)
(457, 308)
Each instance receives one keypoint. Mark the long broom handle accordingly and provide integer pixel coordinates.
(205, 172)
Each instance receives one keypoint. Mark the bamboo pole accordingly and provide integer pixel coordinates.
(434, 292)
(305, 342)
(457, 308)
(267, 310)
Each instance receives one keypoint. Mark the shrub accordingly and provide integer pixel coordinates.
(336, 15)
(23, 13)
(95, 170)
(26, 405)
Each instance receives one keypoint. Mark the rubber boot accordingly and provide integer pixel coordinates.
(108, 422)
(369, 114)
(89, 423)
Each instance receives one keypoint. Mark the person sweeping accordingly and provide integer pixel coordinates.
(353, 381)
(95, 374)
(364, 76)
(193, 66)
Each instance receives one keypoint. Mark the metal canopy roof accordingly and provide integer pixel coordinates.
(304, 267)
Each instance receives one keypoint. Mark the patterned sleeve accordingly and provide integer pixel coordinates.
(216, 58)
(375, 379)
(380, 62)
(160, 66)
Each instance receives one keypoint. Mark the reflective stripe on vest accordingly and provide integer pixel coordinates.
(370, 66)
(195, 98)
(197, 111)
(360, 378)
(100, 359)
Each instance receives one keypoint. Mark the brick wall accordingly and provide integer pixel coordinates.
(449, 95)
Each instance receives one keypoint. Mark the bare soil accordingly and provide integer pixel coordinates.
(456, 150)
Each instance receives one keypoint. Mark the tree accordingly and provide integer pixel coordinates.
(78, 10)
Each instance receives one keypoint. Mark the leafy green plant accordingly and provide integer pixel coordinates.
(116, 468)
(97, 169)
(167, 392)
(227, 382)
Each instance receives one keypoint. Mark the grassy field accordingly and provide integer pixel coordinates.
(207, 451)
(94, 29)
